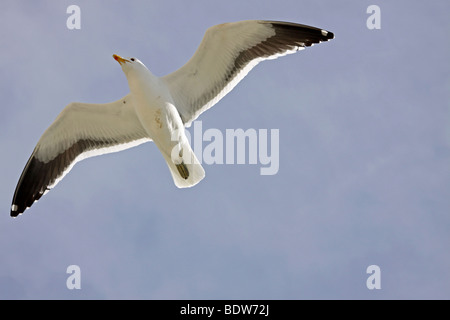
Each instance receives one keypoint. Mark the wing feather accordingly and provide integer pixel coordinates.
(80, 131)
(225, 56)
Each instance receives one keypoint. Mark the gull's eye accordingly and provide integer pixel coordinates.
(132, 59)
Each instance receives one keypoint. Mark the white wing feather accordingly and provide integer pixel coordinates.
(225, 56)
(80, 131)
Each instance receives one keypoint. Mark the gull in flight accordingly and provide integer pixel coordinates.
(159, 108)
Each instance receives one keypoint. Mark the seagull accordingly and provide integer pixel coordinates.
(159, 108)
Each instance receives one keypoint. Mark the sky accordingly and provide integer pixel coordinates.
(364, 158)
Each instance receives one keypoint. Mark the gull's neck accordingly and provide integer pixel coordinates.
(141, 78)
(143, 83)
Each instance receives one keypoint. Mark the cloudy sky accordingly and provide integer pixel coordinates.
(364, 158)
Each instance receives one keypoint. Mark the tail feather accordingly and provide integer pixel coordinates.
(187, 173)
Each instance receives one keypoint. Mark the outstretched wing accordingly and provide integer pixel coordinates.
(227, 53)
(80, 131)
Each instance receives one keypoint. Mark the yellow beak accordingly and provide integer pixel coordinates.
(119, 59)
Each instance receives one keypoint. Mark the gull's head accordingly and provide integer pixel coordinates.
(129, 64)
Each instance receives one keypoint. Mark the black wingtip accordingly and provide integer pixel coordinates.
(308, 34)
(15, 211)
(329, 35)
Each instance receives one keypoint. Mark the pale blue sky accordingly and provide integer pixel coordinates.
(364, 178)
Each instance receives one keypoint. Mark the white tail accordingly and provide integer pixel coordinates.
(186, 170)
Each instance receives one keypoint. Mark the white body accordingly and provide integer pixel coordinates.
(159, 117)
